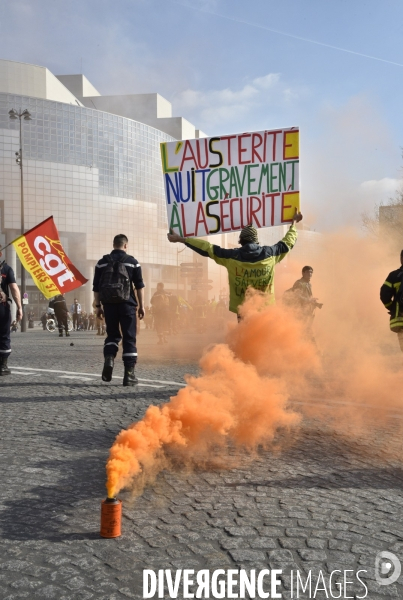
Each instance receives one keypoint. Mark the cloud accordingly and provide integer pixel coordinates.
(211, 107)
(105, 42)
(350, 165)
(381, 187)
(376, 192)
(267, 81)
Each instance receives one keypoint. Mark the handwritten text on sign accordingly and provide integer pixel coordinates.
(221, 184)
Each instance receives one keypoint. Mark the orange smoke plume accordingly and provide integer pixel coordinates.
(230, 401)
(241, 397)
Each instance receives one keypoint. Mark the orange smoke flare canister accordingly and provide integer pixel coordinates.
(111, 518)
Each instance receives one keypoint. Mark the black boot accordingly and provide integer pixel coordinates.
(130, 377)
(4, 370)
(108, 368)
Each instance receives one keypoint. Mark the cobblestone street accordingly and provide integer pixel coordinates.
(324, 502)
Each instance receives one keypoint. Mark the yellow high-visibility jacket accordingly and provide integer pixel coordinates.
(389, 292)
(248, 266)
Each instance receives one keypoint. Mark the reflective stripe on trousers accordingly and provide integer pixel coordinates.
(121, 323)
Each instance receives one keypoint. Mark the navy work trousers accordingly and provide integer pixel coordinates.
(121, 322)
(61, 318)
(75, 320)
(5, 324)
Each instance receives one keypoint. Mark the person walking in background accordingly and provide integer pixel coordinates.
(43, 320)
(8, 285)
(100, 324)
(304, 302)
(148, 318)
(116, 276)
(99, 321)
(173, 313)
(75, 312)
(58, 304)
(31, 317)
(160, 304)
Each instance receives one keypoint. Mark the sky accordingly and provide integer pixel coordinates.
(333, 68)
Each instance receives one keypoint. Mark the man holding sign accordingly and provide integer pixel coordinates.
(251, 265)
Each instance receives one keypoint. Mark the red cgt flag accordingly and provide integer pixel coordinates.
(41, 254)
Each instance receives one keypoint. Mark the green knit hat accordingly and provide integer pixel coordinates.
(249, 235)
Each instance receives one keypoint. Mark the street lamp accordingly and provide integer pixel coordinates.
(26, 115)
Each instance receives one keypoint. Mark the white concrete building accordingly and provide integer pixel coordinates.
(92, 162)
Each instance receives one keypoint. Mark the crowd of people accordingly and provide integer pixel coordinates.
(83, 322)
(119, 298)
(170, 314)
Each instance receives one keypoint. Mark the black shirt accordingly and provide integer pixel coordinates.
(58, 303)
(7, 277)
(133, 269)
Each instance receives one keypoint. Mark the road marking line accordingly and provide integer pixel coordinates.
(96, 375)
(165, 382)
(27, 373)
(80, 378)
(75, 377)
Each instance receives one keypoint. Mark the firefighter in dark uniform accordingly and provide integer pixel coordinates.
(58, 303)
(120, 318)
(391, 298)
(8, 285)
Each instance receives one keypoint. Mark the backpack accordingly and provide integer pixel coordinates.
(289, 298)
(114, 285)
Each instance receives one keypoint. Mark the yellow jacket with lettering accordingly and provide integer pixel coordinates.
(251, 265)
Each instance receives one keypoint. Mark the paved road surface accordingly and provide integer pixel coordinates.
(325, 502)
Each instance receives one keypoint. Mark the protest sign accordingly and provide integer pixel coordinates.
(221, 184)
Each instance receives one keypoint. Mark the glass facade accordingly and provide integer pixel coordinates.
(98, 174)
(125, 152)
